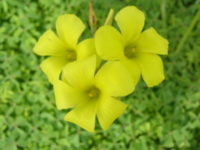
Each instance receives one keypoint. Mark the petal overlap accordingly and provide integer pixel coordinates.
(109, 43)
(53, 66)
(80, 74)
(115, 79)
(69, 28)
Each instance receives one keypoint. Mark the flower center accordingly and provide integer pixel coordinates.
(129, 52)
(93, 93)
(71, 55)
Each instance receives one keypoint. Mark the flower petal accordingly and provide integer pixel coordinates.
(83, 115)
(109, 43)
(50, 45)
(52, 67)
(131, 22)
(108, 110)
(113, 78)
(133, 68)
(69, 28)
(66, 96)
(80, 74)
(151, 67)
(151, 42)
(85, 49)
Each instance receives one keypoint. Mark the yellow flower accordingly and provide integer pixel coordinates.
(63, 48)
(135, 49)
(92, 94)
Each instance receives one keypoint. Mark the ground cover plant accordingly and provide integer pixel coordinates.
(164, 117)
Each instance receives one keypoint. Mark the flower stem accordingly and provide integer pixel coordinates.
(188, 31)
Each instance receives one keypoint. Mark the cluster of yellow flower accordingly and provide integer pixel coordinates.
(92, 88)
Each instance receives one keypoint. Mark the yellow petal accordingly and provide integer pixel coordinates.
(109, 43)
(83, 116)
(52, 67)
(151, 68)
(114, 79)
(66, 96)
(50, 45)
(151, 42)
(69, 28)
(131, 22)
(85, 49)
(80, 74)
(133, 68)
(108, 110)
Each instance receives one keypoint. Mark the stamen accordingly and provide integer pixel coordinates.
(129, 52)
(93, 93)
(71, 55)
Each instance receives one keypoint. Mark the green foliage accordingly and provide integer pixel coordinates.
(166, 117)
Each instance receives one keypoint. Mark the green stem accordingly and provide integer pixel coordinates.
(188, 31)
(163, 12)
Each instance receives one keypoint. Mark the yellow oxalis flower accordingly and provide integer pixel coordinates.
(63, 48)
(93, 94)
(135, 49)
